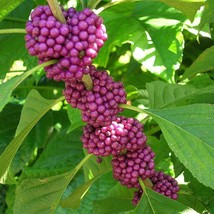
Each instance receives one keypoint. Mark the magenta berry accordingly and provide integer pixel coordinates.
(44, 32)
(165, 185)
(78, 41)
(83, 26)
(114, 138)
(137, 196)
(100, 105)
(99, 160)
(129, 167)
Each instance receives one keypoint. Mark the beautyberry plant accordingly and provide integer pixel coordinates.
(106, 106)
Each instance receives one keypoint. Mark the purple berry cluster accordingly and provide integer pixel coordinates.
(100, 105)
(45, 35)
(88, 36)
(123, 134)
(163, 184)
(75, 43)
(137, 196)
(129, 167)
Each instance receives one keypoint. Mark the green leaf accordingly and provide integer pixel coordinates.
(144, 25)
(13, 45)
(189, 133)
(93, 3)
(7, 88)
(40, 195)
(117, 200)
(10, 198)
(186, 198)
(7, 6)
(93, 169)
(75, 118)
(8, 127)
(207, 15)
(74, 200)
(131, 91)
(162, 95)
(97, 191)
(27, 151)
(203, 63)
(35, 107)
(155, 203)
(43, 195)
(188, 7)
(61, 152)
(199, 191)
(133, 75)
(160, 148)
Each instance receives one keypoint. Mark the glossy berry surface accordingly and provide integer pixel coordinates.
(88, 35)
(75, 43)
(113, 139)
(100, 105)
(129, 167)
(45, 36)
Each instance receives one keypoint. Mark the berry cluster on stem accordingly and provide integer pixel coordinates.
(74, 39)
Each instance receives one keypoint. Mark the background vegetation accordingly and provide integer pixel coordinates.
(163, 52)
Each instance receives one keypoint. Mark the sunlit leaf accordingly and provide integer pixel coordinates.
(13, 45)
(7, 88)
(188, 7)
(7, 6)
(189, 133)
(144, 25)
(207, 16)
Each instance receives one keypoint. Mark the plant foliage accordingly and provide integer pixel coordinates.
(162, 51)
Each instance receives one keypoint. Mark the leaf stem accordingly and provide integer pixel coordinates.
(134, 108)
(56, 10)
(94, 4)
(73, 172)
(142, 184)
(13, 30)
(31, 71)
(82, 4)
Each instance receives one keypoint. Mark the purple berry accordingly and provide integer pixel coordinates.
(165, 185)
(86, 28)
(98, 110)
(45, 31)
(129, 167)
(137, 196)
(78, 41)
